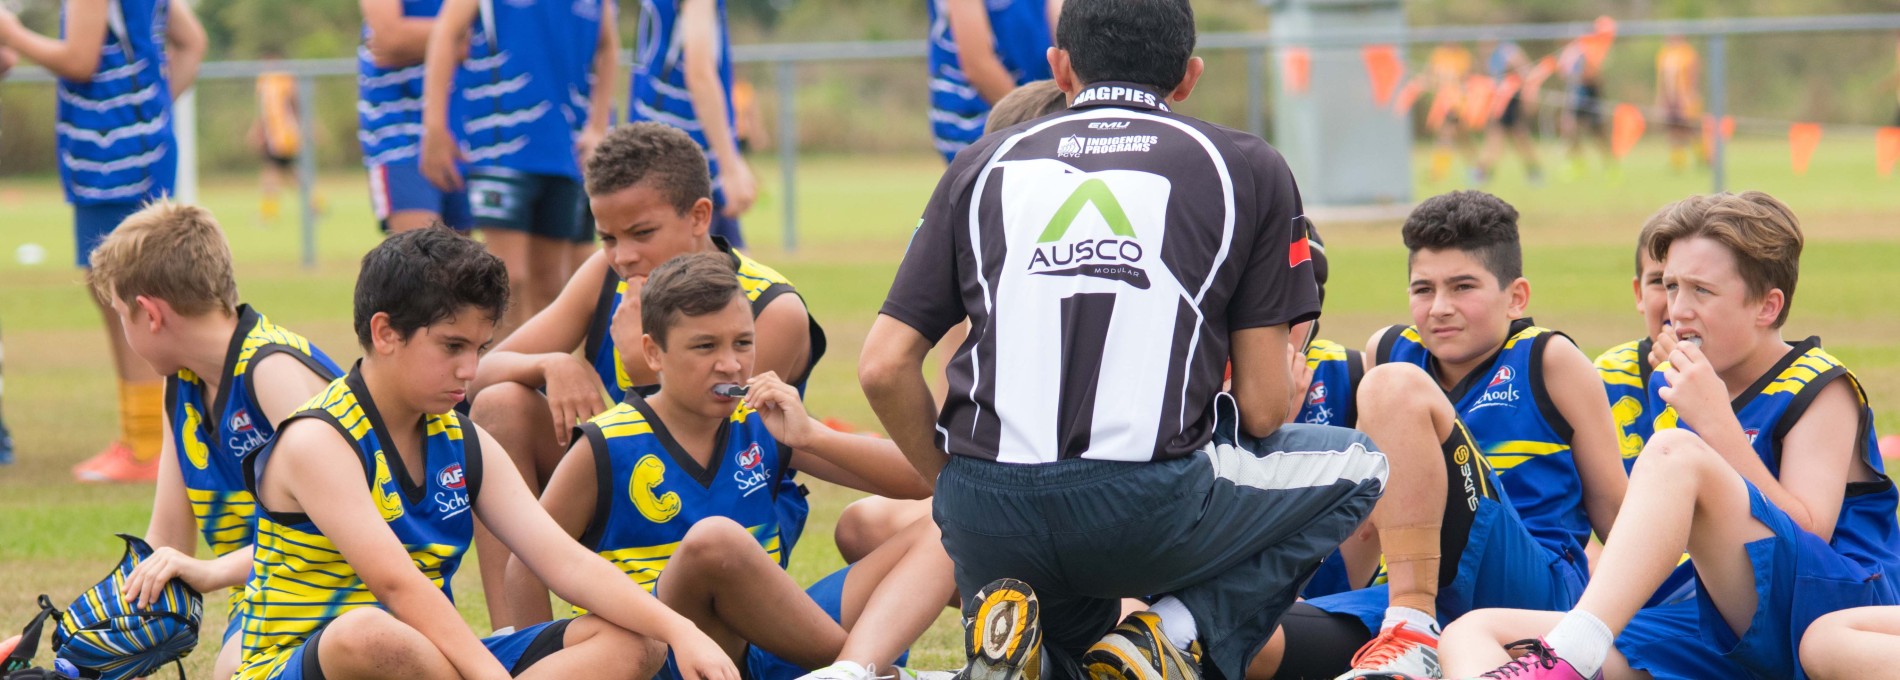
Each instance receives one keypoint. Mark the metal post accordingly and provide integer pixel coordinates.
(1718, 107)
(307, 166)
(185, 132)
(788, 150)
(1256, 79)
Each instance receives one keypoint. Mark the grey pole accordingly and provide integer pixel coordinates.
(788, 150)
(1256, 79)
(1718, 107)
(307, 166)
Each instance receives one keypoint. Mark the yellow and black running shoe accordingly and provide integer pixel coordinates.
(1002, 633)
(1138, 650)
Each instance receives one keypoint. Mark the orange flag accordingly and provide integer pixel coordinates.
(1296, 69)
(1886, 149)
(1407, 96)
(1802, 138)
(1501, 98)
(1383, 70)
(1477, 104)
(1709, 127)
(1626, 127)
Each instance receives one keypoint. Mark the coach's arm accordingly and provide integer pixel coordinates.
(891, 370)
(1262, 379)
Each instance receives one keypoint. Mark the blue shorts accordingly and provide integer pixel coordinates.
(828, 593)
(1332, 579)
(516, 651)
(1798, 578)
(91, 224)
(1666, 642)
(399, 187)
(1502, 566)
(550, 206)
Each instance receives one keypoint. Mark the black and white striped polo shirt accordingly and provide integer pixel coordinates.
(1102, 255)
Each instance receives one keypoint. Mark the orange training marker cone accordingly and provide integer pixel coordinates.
(1626, 128)
(1383, 70)
(1886, 149)
(1296, 69)
(1802, 138)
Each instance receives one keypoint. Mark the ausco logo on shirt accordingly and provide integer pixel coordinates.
(1116, 259)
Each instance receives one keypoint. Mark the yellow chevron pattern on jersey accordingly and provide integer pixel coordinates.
(267, 333)
(1622, 366)
(1329, 351)
(1790, 381)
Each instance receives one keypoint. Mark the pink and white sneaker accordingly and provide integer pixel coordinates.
(1537, 662)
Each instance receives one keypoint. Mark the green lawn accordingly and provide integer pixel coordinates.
(856, 214)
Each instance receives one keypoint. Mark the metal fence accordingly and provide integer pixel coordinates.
(785, 58)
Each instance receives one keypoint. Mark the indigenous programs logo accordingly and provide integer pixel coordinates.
(1069, 146)
(1501, 392)
(1116, 258)
(1077, 145)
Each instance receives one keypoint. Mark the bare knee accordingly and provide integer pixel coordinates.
(369, 638)
(716, 542)
(1391, 389)
(1673, 452)
(643, 655)
(506, 404)
(867, 523)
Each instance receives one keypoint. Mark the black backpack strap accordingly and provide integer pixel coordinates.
(21, 657)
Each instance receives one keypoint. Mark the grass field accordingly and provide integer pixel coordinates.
(855, 217)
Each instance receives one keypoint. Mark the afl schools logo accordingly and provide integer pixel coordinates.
(751, 457)
(1317, 395)
(451, 477)
(1503, 375)
(241, 421)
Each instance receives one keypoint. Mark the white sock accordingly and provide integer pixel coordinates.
(1413, 618)
(1581, 639)
(1176, 622)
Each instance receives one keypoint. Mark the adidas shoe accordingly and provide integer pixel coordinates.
(1138, 650)
(1002, 634)
(1398, 652)
(1537, 662)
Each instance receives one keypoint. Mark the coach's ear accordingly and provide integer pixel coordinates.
(1194, 68)
(1063, 74)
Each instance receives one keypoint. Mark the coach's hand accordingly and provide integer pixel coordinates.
(741, 187)
(780, 409)
(147, 582)
(699, 658)
(1698, 395)
(440, 155)
(574, 393)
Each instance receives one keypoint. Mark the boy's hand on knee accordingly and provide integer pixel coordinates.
(699, 658)
(574, 393)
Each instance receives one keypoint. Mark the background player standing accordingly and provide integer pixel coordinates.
(682, 76)
(389, 105)
(114, 158)
(979, 51)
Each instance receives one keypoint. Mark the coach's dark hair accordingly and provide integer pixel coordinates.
(426, 276)
(1471, 221)
(660, 155)
(689, 285)
(1146, 42)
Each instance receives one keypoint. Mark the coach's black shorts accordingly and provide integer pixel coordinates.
(1233, 531)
